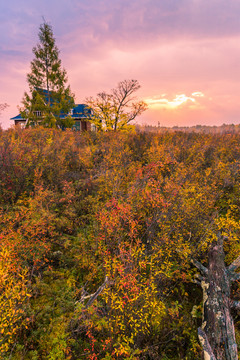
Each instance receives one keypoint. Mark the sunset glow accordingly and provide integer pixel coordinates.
(177, 101)
(185, 54)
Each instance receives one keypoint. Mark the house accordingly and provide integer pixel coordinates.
(18, 120)
(81, 114)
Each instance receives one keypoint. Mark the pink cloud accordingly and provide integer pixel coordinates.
(171, 46)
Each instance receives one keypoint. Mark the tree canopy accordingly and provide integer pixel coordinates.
(49, 99)
(118, 108)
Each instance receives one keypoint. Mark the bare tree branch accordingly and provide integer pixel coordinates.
(234, 277)
(116, 110)
(95, 295)
(199, 278)
(235, 305)
(207, 350)
(200, 267)
(3, 107)
(234, 265)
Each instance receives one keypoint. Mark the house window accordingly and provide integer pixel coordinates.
(37, 113)
(76, 126)
(93, 127)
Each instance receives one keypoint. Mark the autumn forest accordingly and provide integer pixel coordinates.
(98, 236)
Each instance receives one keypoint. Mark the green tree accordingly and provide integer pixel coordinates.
(116, 110)
(50, 98)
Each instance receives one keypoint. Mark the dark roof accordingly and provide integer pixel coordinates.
(18, 117)
(81, 110)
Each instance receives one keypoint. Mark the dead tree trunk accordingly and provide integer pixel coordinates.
(217, 335)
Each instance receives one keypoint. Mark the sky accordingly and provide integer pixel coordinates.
(184, 53)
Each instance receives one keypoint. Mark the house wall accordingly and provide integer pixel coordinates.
(20, 123)
(82, 125)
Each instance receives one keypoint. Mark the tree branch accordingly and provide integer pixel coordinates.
(98, 292)
(235, 305)
(200, 267)
(207, 350)
(234, 265)
(234, 277)
(198, 279)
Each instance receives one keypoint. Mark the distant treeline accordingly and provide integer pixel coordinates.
(223, 129)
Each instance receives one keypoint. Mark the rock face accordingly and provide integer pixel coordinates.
(217, 334)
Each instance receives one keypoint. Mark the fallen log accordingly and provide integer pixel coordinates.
(217, 334)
